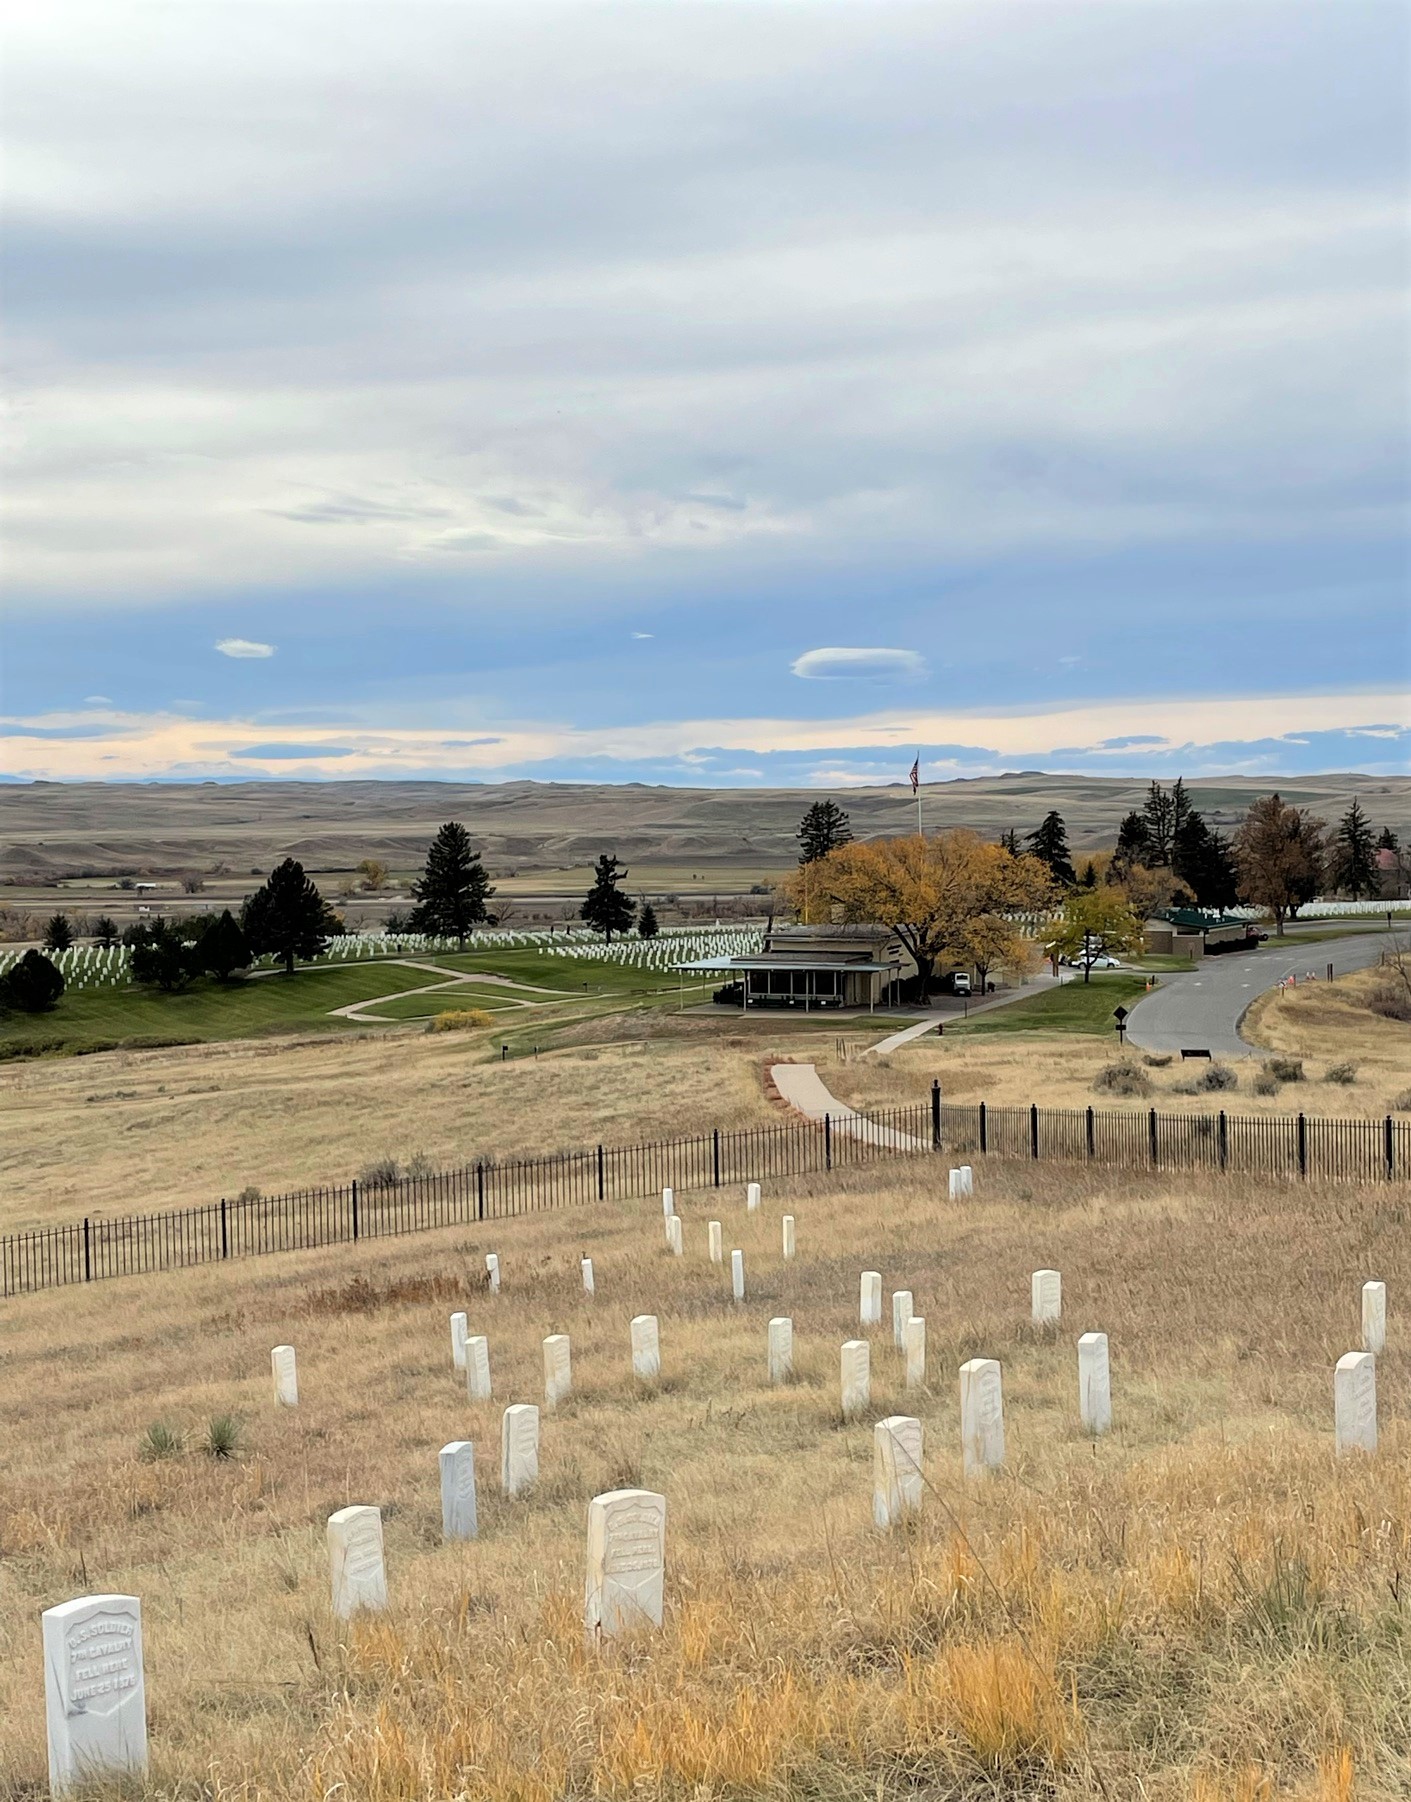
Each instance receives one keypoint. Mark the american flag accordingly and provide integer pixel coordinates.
(916, 775)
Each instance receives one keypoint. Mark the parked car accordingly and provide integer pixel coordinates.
(960, 983)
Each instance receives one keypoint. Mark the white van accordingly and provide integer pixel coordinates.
(960, 982)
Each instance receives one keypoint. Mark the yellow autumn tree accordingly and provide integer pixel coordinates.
(953, 896)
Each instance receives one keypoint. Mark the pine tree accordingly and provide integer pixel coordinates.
(1387, 840)
(1159, 819)
(222, 947)
(1049, 843)
(605, 908)
(453, 889)
(288, 917)
(1009, 841)
(163, 956)
(105, 931)
(647, 927)
(823, 829)
(1352, 861)
(32, 986)
(58, 934)
(1202, 860)
(1088, 879)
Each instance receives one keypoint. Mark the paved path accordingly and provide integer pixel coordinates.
(1204, 1009)
(802, 1087)
(366, 1011)
(943, 1014)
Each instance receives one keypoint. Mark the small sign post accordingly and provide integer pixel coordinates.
(1119, 1014)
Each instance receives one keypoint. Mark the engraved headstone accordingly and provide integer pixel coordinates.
(856, 1378)
(915, 1352)
(981, 1416)
(737, 1275)
(626, 1562)
(901, 1313)
(519, 1448)
(674, 1242)
(458, 1518)
(788, 1236)
(1374, 1318)
(870, 1298)
(458, 1341)
(962, 1182)
(668, 1203)
(1355, 1402)
(646, 1348)
(492, 1271)
(1094, 1383)
(586, 1266)
(716, 1243)
(94, 1696)
(1046, 1297)
(781, 1349)
(477, 1367)
(896, 1469)
(286, 1376)
(355, 1561)
(752, 1197)
(558, 1369)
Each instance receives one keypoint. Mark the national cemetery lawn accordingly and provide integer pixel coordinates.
(1077, 1006)
(1203, 1605)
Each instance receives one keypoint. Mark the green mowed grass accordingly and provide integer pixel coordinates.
(447, 1001)
(1084, 1007)
(569, 975)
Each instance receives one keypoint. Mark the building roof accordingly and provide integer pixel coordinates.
(815, 962)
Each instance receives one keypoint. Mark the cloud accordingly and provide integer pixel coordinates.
(644, 634)
(285, 753)
(838, 663)
(243, 647)
(97, 701)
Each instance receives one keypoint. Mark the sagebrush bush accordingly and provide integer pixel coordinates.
(1156, 1063)
(1285, 1069)
(381, 1173)
(1121, 1079)
(461, 1019)
(1215, 1077)
(251, 1192)
(1391, 1000)
(1401, 1104)
(1266, 1083)
(1342, 1074)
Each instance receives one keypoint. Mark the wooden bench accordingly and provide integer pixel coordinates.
(1198, 1051)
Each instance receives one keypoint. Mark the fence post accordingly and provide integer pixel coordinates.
(935, 1116)
(1302, 1145)
(1224, 1141)
(1092, 1136)
(715, 1153)
(600, 1173)
(827, 1141)
(224, 1231)
(1389, 1141)
(480, 1191)
(1033, 1129)
(984, 1129)
(87, 1252)
(1151, 1134)
(355, 1210)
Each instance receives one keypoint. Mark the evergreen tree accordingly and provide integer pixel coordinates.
(453, 889)
(1202, 860)
(1009, 841)
(222, 947)
(1049, 843)
(1159, 819)
(1387, 840)
(288, 917)
(58, 934)
(1352, 856)
(33, 986)
(1132, 847)
(605, 908)
(1088, 879)
(105, 931)
(163, 956)
(823, 828)
(647, 927)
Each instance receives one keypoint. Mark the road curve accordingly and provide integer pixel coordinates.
(1204, 1009)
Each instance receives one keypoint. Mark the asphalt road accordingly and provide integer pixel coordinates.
(1204, 1008)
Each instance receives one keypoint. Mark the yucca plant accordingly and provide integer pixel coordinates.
(161, 1441)
(223, 1437)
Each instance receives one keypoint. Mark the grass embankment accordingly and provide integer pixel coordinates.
(1332, 1022)
(1077, 1006)
(1205, 1606)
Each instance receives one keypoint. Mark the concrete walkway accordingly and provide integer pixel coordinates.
(365, 1012)
(945, 1016)
(802, 1087)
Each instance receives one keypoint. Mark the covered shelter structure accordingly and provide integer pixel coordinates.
(813, 967)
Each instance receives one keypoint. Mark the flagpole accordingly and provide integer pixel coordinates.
(919, 832)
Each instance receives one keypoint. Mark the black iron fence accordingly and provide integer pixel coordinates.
(495, 1189)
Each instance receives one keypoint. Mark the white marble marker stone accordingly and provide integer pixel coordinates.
(1046, 1297)
(585, 1265)
(737, 1275)
(896, 1469)
(355, 1561)
(1355, 1402)
(781, 1349)
(458, 1331)
(646, 1348)
(286, 1376)
(981, 1416)
(458, 1516)
(668, 1203)
(716, 1242)
(901, 1313)
(492, 1271)
(787, 1232)
(856, 1378)
(1094, 1384)
(519, 1448)
(675, 1244)
(962, 1183)
(752, 1198)
(94, 1695)
(477, 1367)
(558, 1369)
(1374, 1318)
(869, 1307)
(915, 1352)
(626, 1562)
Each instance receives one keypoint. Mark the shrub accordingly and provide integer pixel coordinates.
(1215, 1077)
(421, 1165)
(1391, 1001)
(1285, 1069)
(251, 1192)
(223, 1437)
(465, 1019)
(161, 1441)
(1121, 1079)
(382, 1173)
(1266, 1083)
(1343, 1074)
(33, 985)
(1401, 1104)
(1153, 1062)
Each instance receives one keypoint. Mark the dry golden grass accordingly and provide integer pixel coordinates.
(1330, 1023)
(1203, 1607)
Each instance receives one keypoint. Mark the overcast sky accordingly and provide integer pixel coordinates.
(723, 393)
